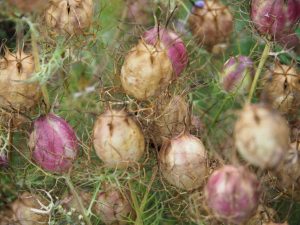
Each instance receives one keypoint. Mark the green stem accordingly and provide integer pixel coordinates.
(35, 53)
(78, 199)
(262, 62)
(20, 35)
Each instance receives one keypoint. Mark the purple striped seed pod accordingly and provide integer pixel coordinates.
(237, 74)
(232, 193)
(53, 143)
(277, 19)
(173, 43)
(3, 160)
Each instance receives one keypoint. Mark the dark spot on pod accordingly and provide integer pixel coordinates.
(111, 128)
(126, 121)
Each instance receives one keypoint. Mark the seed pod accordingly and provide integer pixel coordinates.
(69, 16)
(53, 144)
(183, 161)
(29, 5)
(118, 140)
(211, 23)
(173, 44)
(237, 74)
(139, 11)
(271, 223)
(276, 18)
(147, 70)
(170, 118)
(282, 87)
(289, 171)
(261, 136)
(232, 193)
(6, 218)
(295, 130)
(263, 216)
(16, 93)
(113, 206)
(28, 210)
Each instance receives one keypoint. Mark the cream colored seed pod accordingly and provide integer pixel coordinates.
(29, 5)
(282, 87)
(6, 218)
(112, 205)
(183, 161)
(289, 172)
(17, 94)
(28, 210)
(118, 140)
(147, 70)
(69, 16)
(171, 116)
(261, 136)
(211, 23)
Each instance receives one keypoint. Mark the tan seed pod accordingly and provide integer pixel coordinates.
(17, 94)
(139, 11)
(263, 216)
(282, 87)
(183, 161)
(28, 210)
(289, 172)
(118, 140)
(170, 119)
(261, 136)
(112, 206)
(147, 70)
(69, 16)
(6, 218)
(29, 5)
(211, 23)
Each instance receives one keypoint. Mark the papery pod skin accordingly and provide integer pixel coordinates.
(261, 136)
(6, 218)
(175, 47)
(211, 23)
(183, 161)
(113, 206)
(171, 116)
(282, 87)
(118, 139)
(22, 208)
(139, 11)
(147, 71)
(69, 16)
(271, 223)
(29, 5)
(237, 74)
(17, 94)
(295, 130)
(232, 193)
(276, 19)
(289, 172)
(263, 216)
(70, 201)
(70, 204)
(53, 143)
